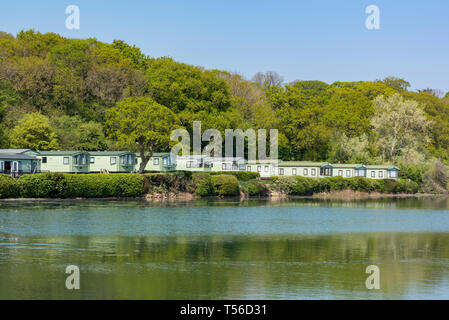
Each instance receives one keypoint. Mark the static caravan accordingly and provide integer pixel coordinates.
(381, 172)
(304, 169)
(18, 161)
(159, 161)
(193, 163)
(223, 164)
(347, 170)
(266, 168)
(64, 161)
(208, 164)
(112, 161)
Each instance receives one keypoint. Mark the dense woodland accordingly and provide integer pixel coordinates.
(56, 93)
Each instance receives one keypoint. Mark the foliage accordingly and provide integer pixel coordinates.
(168, 182)
(255, 188)
(202, 184)
(59, 185)
(141, 121)
(8, 187)
(240, 175)
(80, 83)
(34, 131)
(401, 126)
(226, 185)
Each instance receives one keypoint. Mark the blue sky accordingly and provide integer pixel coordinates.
(321, 39)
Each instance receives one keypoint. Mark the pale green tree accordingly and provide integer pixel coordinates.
(401, 125)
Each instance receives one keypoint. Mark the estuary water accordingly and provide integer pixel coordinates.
(225, 249)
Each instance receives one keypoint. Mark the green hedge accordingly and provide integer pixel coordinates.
(240, 175)
(308, 186)
(59, 185)
(9, 187)
(226, 185)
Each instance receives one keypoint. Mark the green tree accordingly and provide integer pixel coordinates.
(396, 83)
(143, 122)
(34, 131)
(75, 134)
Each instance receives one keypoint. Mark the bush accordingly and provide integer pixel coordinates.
(59, 185)
(104, 185)
(202, 185)
(240, 175)
(9, 187)
(43, 185)
(284, 184)
(226, 185)
(167, 182)
(255, 188)
(406, 186)
(361, 184)
(333, 184)
(414, 173)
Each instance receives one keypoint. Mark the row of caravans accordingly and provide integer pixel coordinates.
(25, 161)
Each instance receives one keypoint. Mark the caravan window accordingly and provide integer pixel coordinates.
(113, 160)
(66, 160)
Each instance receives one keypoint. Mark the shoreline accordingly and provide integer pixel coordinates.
(334, 195)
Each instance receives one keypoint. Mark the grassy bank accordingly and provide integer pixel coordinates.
(200, 184)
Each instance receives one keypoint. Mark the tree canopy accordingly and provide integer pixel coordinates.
(57, 92)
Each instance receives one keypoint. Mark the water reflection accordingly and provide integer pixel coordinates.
(225, 249)
(216, 267)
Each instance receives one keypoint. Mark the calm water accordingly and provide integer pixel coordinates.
(225, 249)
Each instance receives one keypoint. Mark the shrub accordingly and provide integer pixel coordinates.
(58, 185)
(201, 185)
(167, 182)
(361, 184)
(285, 184)
(240, 175)
(406, 186)
(414, 173)
(226, 185)
(9, 187)
(255, 188)
(43, 185)
(304, 186)
(333, 184)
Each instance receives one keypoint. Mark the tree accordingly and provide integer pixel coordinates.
(435, 92)
(268, 79)
(75, 134)
(34, 131)
(396, 83)
(143, 122)
(401, 126)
